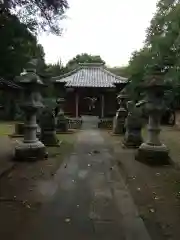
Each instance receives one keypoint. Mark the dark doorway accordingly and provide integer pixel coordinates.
(89, 105)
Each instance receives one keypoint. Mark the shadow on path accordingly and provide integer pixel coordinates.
(87, 198)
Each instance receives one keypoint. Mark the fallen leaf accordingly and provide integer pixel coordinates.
(156, 198)
(67, 220)
(152, 210)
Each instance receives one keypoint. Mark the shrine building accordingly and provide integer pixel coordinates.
(89, 90)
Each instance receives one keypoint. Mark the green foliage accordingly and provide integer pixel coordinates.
(83, 58)
(38, 14)
(17, 47)
(161, 48)
(120, 71)
(56, 69)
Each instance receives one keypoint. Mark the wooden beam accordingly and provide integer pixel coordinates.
(102, 106)
(77, 105)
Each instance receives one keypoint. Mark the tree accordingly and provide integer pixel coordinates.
(17, 46)
(56, 69)
(120, 71)
(163, 37)
(162, 45)
(37, 14)
(83, 58)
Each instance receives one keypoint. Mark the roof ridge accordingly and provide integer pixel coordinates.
(66, 74)
(85, 76)
(98, 64)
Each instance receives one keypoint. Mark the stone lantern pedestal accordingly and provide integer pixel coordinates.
(48, 128)
(133, 125)
(31, 148)
(153, 151)
(61, 120)
(121, 114)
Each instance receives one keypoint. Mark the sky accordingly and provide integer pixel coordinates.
(112, 29)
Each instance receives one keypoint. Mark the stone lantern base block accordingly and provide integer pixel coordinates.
(30, 152)
(50, 139)
(19, 130)
(132, 140)
(118, 127)
(153, 155)
(62, 127)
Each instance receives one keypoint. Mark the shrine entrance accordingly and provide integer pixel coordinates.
(89, 104)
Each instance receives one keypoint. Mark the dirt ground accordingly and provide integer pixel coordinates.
(20, 198)
(156, 190)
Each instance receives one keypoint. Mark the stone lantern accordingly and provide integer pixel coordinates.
(121, 114)
(61, 120)
(31, 148)
(133, 126)
(153, 151)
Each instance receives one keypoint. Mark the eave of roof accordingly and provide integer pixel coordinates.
(90, 75)
(8, 84)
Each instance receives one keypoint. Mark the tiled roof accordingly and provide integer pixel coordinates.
(9, 84)
(90, 75)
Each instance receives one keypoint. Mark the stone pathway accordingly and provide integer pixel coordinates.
(89, 122)
(88, 199)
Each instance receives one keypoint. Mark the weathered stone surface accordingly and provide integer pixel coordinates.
(31, 148)
(177, 119)
(61, 120)
(121, 114)
(153, 155)
(30, 152)
(153, 151)
(19, 128)
(119, 121)
(19, 125)
(48, 128)
(133, 124)
(62, 123)
(90, 200)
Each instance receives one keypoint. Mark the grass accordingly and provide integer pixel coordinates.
(6, 128)
(67, 143)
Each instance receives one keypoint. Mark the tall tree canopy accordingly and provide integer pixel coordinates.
(83, 58)
(162, 45)
(120, 71)
(37, 14)
(17, 46)
(56, 69)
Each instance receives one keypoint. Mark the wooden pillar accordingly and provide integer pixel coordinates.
(77, 105)
(102, 106)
